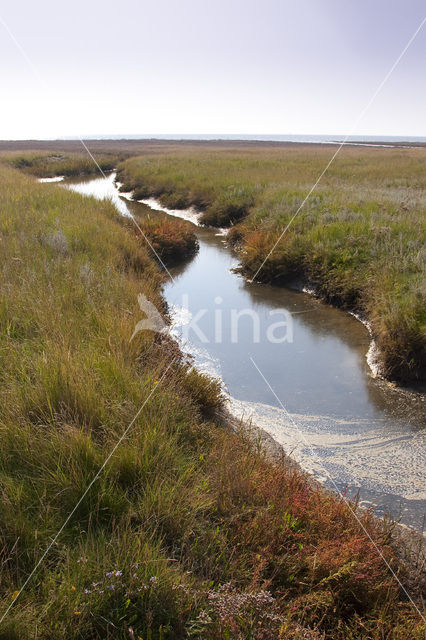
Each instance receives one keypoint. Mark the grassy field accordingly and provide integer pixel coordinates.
(189, 531)
(49, 165)
(359, 240)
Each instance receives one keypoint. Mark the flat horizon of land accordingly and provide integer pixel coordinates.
(134, 145)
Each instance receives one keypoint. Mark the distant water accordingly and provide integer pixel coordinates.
(305, 138)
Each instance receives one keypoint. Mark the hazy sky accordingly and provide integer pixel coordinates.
(217, 66)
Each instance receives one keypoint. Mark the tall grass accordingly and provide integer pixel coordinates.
(359, 240)
(48, 165)
(189, 531)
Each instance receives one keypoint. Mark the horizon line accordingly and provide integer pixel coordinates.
(215, 136)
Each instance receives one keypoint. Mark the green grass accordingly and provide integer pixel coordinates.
(49, 165)
(198, 533)
(359, 240)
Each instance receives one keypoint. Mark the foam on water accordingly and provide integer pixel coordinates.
(375, 459)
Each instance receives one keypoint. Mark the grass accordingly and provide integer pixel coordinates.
(189, 531)
(51, 164)
(172, 241)
(359, 240)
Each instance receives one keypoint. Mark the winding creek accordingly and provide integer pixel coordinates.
(316, 395)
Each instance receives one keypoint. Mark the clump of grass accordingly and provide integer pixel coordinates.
(189, 531)
(229, 208)
(358, 240)
(173, 241)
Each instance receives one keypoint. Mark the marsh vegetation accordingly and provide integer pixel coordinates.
(49, 165)
(189, 530)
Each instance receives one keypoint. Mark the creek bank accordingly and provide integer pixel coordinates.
(361, 248)
(375, 356)
(273, 450)
(363, 419)
(170, 240)
(410, 545)
(346, 428)
(381, 356)
(194, 215)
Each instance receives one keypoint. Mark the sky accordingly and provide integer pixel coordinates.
(97, 67)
